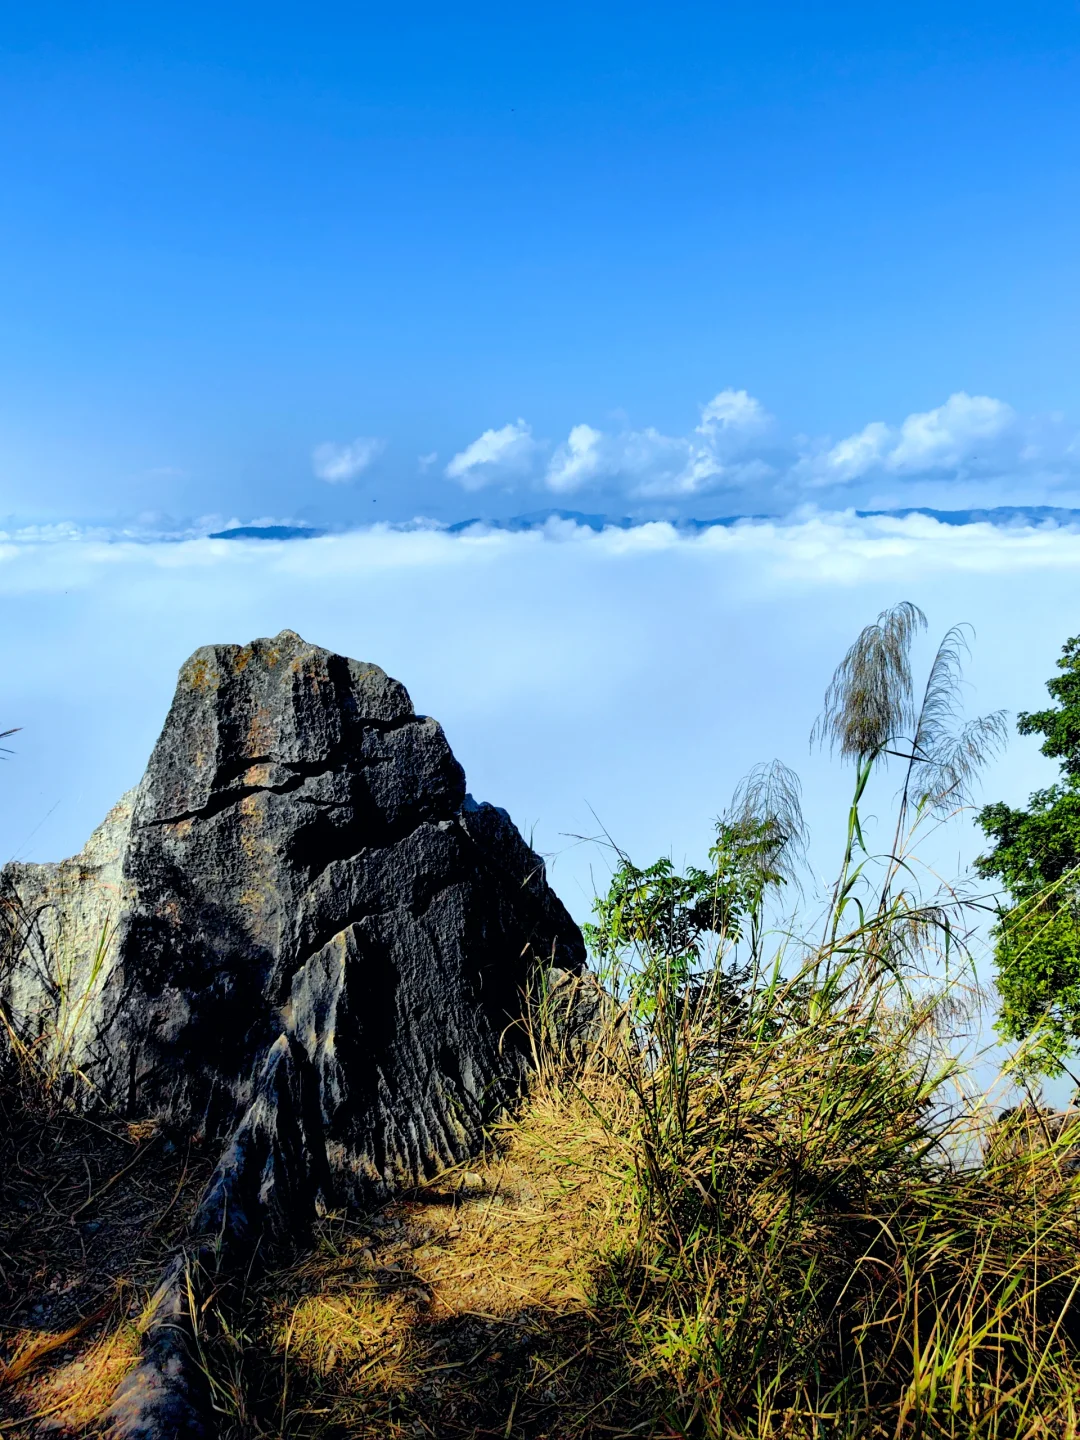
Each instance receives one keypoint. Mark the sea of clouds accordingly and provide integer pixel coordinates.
(601, 685)
(622, 679)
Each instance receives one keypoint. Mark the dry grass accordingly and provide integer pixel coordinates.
(755, 1228)
(89, 1208)
(760, 1229)
(467, 1308)
(827, 1247)
(765, 1225)
(71, 1397)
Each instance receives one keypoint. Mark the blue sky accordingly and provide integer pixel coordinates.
(282, 262)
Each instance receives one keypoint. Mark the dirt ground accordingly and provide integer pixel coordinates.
(88, 1211)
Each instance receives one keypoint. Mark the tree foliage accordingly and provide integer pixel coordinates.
(1036, 856)
(651, 927)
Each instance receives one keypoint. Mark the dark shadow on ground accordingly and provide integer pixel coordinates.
(356, 1342)
(89, 1208)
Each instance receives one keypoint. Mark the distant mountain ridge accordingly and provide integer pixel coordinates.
(999, 515)
(267, 532)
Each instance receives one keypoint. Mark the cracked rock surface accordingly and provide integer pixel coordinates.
(300, 860)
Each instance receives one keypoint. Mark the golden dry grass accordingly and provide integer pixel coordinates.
(466, 1308)
(753, 1232)
(71, 1397)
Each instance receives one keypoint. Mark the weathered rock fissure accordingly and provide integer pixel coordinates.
(298, 936)
(229, 792)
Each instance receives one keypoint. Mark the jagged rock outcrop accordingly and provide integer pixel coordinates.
(300, 867)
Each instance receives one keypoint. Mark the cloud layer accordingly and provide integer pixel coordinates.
(517, 641)
(737, 448)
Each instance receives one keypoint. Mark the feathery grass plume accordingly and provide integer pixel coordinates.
(761, 838)
(766, 808)
(871, 715)
(946, 753)
(870, 698)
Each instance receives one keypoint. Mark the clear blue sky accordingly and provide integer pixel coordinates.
(233, 234)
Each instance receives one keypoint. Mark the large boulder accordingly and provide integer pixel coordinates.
(300, 860)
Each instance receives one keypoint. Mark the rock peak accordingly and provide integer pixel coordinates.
(299, 859)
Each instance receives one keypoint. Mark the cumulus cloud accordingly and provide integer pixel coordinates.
(733, 412)
(339, 464)
(648, 463)
(496, 455)
(579, 462)
(968, 432)
(634, 460)
(738, 448)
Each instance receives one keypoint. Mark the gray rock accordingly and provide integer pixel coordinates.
(299, 861)
(575, 1020)
(166, 1396)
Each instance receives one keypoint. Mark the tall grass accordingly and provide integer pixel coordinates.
(834, 1235)
(821, 1250)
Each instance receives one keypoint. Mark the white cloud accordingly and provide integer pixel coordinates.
(579, 462)
(648, 463)
(972, 450)
(425, 462)
(952, 435)
(633, 459)
(641, 462)
(663, 465)
(851, 458)
(496, 455)
(968, 434)
(733, 412)
(338, 464)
